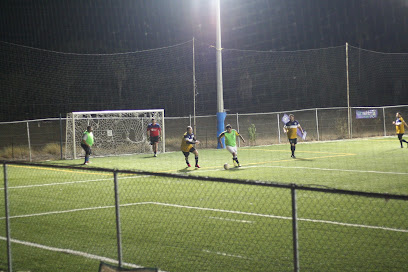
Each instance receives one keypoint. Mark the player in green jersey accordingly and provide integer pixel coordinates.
(231, 142)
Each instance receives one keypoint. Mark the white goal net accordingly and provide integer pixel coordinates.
(116, 132)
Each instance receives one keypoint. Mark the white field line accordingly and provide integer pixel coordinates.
(74, 210)
(72, 252)
(330, 169)
(226, 254)
(231, 220)
(311, 168)
(284, 217)
(216, 210)
(69, 182)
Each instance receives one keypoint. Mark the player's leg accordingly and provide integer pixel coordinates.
(293, 147)
(156, 144)
(87, 150)
(186, 154)
(234, 151)
(403, 140)
(400, 139)
(195, 151)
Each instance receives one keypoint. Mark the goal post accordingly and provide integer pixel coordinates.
(116, 132)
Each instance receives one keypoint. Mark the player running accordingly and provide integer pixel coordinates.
(154, 131)
(231, 143)
(188, 143)
(399, 127)
(291, 128)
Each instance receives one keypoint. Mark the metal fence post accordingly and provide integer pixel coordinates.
(239, 141)
(385, 127)
(295, 229)
(117, 210)
(60, 123)
(28, 136)
(6, 207)
(317, 126)
(279, 132)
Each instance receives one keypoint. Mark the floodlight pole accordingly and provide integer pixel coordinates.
(194, 90)
(221, 114)
(348, 94)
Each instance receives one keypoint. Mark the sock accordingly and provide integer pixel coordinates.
(292, 148)
(196, 160)
(236, 159)
(187, 161)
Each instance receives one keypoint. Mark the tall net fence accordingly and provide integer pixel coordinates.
(71, 219)
(38, 83)
(46, 138)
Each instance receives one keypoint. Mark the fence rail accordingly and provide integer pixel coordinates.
(73, 218)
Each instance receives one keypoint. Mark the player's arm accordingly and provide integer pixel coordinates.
(405, 124)
(84, 138)
(240, 136)
(285, 129)
(191, 140)
(301, 129)
(219, 138)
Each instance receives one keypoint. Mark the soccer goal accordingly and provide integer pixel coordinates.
(116, 132)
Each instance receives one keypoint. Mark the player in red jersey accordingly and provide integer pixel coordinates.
(154, 132)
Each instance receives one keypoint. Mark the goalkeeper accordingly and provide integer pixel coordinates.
(87, 142)
(154, 131)
(231, 142)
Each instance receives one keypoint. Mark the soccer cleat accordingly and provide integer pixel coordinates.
(197, 166)
(155, 155)
(293, 156)
(85, 163)
(239, 165)
(188, 165)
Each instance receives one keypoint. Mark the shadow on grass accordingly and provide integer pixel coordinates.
(303, 159)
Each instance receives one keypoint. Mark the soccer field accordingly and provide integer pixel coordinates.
(372, 164)
(64, 219)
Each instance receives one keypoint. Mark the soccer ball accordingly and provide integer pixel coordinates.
(226, 166)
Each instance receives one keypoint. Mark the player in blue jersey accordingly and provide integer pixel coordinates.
(290, 129)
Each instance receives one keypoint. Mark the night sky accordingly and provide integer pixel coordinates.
(56, 67)
(89, 26)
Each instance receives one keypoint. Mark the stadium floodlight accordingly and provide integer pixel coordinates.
(116, 132)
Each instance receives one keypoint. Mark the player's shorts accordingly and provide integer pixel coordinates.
(87, 149)
(186, 154)
(154, 139)
(400, 136)
(293, 141)
(232, 149)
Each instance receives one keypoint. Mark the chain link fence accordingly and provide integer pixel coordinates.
(61, 218)
(45, 139)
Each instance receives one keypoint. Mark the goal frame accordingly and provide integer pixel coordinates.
(71, 128)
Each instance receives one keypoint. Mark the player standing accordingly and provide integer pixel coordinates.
(399, 127)
(188, 143)
(87, 142)
(154, 132)
(231, 142)
(290, 129)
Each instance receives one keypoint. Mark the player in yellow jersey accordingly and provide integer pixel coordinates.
(399, 127)
(188, 143)
(290, 129)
